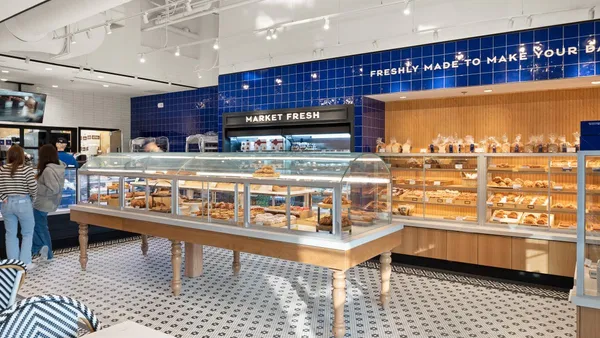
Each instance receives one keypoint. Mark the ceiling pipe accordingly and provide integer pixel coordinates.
(205, 13)
(174, 17)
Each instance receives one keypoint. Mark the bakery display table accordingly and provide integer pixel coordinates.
(338, 255)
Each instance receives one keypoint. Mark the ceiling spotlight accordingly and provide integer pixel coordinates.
(314, 75)
(91, 71)
(326, 25)
(5, 71)
(54, 86)
(177, 51)
(3, 80)
(105, 86)
(48, 68)
(188, 6)
(269, 37)
(216, 44)
(322, 52)
(407, 7)
(274, 33)
(436, 35)
(73, 41)
(199, 76)
(375, 44)
(487, 91)
(529, 21)
(88, 33)
(245, 86)
(100, 77)
(27, 59)
(592, 13)
(169, 83)
(511, 23)
(142, 58)
(314, 53)
(145, 18)
(107, 29)
(278, 81)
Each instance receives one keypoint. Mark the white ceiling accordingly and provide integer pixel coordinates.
(68, 78)
(495, 89)
(10, 8)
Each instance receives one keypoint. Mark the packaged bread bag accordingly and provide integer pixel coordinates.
(396, 147)
(407, 146)
(380, 145)
(505, 146)
(552, 144)
(517, 145)
(530, 145)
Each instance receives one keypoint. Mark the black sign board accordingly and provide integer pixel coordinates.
(312, 115)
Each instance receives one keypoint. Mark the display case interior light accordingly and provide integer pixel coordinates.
(254, 137)
(324, 136)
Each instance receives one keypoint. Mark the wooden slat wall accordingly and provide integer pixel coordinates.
(530, 113)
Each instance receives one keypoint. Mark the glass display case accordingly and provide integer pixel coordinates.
(525, 191)
(432, 186)
(319, 194)
(588, 240)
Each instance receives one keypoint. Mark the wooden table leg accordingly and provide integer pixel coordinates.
(176, 261)
(83, 245)
(145, 245)
(193, 260)
(236, 263)
(386, 272)
(339, 300)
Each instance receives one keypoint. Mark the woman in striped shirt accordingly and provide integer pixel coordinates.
(17, 189)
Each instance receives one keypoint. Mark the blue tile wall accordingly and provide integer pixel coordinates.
(348, 80)
(184, 113)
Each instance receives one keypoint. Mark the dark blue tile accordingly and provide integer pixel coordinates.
(571, 71)
(427, 84)
(415, 85)
(427, 50)
(512, 39)
(416, 52)
(487, 42)
(475, 44)
(540, 35)
(499, 77)
(586, 28)
(585, 57)
(406, 54)
(438, 49)
(586, 69)
(450, 82)
(450, 47)
(500, 40)
(438, 83)
(486, 79)
(526, 37)
(512, 76)
(571, 31)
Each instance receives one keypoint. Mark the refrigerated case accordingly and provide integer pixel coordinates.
(315, 129)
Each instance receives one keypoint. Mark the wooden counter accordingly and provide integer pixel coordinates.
(337, 258)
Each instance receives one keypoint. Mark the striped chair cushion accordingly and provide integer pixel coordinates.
(11, 271)
(47, 316)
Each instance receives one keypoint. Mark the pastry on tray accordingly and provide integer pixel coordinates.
(266, 171)
(327, 220)
(378, 206)
(138, 203)
(329, 200)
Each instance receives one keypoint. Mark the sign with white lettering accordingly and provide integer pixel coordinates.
(323, 114)
(463, 61)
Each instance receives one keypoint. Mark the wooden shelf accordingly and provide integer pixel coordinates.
(433, 169)
(474, 205)
(434, 187)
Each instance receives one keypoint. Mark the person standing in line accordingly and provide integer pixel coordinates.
(66, 158)
(17, 189)
(50, 181)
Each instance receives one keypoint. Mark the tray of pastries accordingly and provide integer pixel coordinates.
(536, 219)
(327, 202)
(361, 217)
(412, 196)
(407, 163)
(466, 198)
(506, 217)
(565, 225)
(461, 218)
(502, 166)
(115, 186)
(138, 203)
(266, 171)
(396, 192)
(298, 211)
(533, 202)
(376, 206)
(403, 209)
(595, 164)
(565, 206)
(273, 220)
(442, 196)
(326, 221)
(592, 226)
(517, 183)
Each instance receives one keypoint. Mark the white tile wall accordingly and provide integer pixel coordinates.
(68, 108)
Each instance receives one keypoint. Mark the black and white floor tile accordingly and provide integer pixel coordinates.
(276, 298)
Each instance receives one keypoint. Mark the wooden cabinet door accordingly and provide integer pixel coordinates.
(530, 255)
(562, 257)
(494, 251)
(409, 244)
(461, 247)
(432, 243)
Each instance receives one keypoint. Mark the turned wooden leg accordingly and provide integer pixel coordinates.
(339, 300)
(145, 245)
(83, 245)
(193, 260)
(386, 271)
(236, 263)
(176, 261)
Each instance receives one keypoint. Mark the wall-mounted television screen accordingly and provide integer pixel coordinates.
(21, 106)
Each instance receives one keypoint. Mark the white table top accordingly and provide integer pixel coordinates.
(128, 329)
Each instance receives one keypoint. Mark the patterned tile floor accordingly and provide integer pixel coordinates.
(276, 298)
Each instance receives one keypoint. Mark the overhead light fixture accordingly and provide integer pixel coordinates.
(314, 53)
(100, 77)
(326, 25)
(278, 81)
(73, 40)
(436, 35)
(511, 23)
(80, 69)
(145, 18)
(407, 7)
(487, 91)
(3, 80)
(314, 75)
(5, 71)
(88, 33)
(27, 59)
(375, 44)
(199, 76)
(322, 52)
(596, 82)
(245, 86)
(274, 33)
(269, 37)
(105, 86)
(529, 21)
(107, 29)
(54, 86)
(169, 83)
(91, 71)
(177, 51)
(48, 68)
(142, 58)
(188, 6)
(216, 44)
(592, 13)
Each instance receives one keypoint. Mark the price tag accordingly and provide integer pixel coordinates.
(467, 202)
(500, 204)
(493, 165)
(459, 218)
(458, 166)
(182, 182)
(516, 186)
(530, 206)
(437, 183)
(448, 201)
(489, 203)
(382, 150)
(427, 166)
(558, 187)
(440, 200)
(411, 181)
(571, 150)
(525, 166)
(567, 169)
